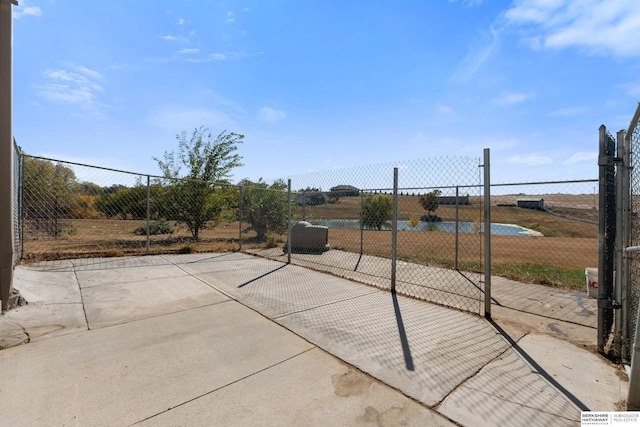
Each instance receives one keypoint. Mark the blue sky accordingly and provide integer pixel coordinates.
(319, 85)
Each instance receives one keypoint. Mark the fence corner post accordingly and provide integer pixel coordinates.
(487, 234)
(240, 218)
(289, 221)
(394, 230)
(148, 212)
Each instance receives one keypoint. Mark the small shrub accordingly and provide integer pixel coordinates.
(414, 220)
(188, 248)
(332, 200)
(110, 253)
(272, 241)
(161, 226)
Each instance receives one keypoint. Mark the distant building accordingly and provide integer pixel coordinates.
(451, 200)
(531, 204)
(311, 198)
(344, 191)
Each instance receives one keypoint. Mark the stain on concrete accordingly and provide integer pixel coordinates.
(351, 383)
(393, 416)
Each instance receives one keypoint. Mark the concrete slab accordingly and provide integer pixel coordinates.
(276, 289)
(43, 321)
(508, 391)
(40, 285)
(127, 373)
(422, 349)
(595, 382)
(312, 388)
(160, 365)
(54, 304)
(140, 293)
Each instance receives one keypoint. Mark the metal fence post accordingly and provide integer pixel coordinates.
(361, 223)
(289, 221)
(394, 230)
(21, 200)
(606, 236)
(148, 212)
(457, 231)
(633, 397)
(620, 245)
(487, 235)
(240, 218)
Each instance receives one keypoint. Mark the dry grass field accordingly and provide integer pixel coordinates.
(558, 259)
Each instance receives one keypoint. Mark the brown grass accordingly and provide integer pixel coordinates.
(114, 237)
(568, 246)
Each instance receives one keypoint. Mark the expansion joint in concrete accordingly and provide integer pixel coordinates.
(84, 309)
(226, 385)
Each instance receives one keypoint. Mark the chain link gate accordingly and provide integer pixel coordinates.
(415, 228)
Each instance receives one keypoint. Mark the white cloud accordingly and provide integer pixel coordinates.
(511, 98)
(19, 11)
(78, 86)
(172, 38)
(568, 112)
(444, 109)
(178, 119)
(467, 3)
(271, 115)
(530, 160)
(182, 21)
(583, 156)
(632, 89)
(188, 51)
(597, 26)
(477, 56)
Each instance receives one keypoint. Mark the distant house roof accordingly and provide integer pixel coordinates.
(531, 200)
(344, 188)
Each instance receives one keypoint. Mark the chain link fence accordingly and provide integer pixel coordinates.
(433, 253)
(554, 234)
(339, 221)
(633, 258)
(71, 210)
(17, 202)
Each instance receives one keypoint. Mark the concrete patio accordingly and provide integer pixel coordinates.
(234, 339)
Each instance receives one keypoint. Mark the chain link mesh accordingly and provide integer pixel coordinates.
(72, 211)
(557, 234)
(17, 201)
(633, 287)
(355, 206)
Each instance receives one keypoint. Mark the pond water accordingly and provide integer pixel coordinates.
(450, 227)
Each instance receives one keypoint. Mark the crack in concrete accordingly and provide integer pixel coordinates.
(463, 382)
(84, 309)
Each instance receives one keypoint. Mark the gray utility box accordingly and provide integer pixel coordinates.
(306, 237)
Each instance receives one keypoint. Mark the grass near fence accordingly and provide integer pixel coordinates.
(558, 259)
(81, 238)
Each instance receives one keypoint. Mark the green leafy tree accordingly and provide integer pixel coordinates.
(265, 207)
(49, 190)
(429, 202)
(129, 203)
(377, 211)
(195, 200)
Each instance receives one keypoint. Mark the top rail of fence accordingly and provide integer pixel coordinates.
(219, 183)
